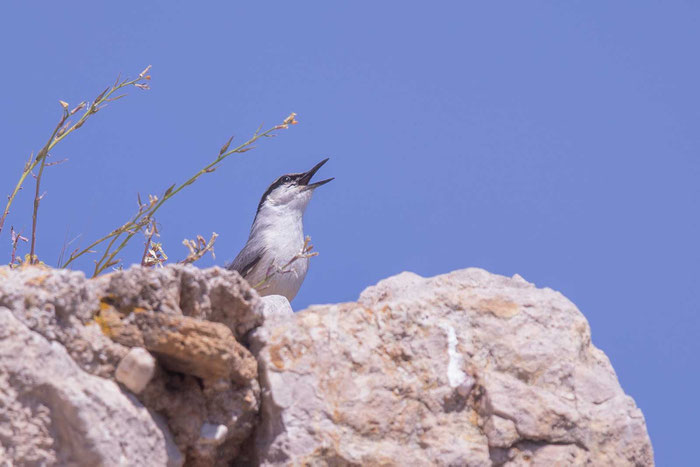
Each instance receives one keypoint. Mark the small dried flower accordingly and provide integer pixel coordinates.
(291, 120)
(143, 73)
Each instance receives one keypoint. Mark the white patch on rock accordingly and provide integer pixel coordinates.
(136, 369)
(275, 306)
(213, 434)
(455, 375)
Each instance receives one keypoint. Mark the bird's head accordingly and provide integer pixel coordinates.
(292, 191)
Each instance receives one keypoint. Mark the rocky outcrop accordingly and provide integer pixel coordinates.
(182, 365)
(53, 413)
(467, 368)
(201, 386)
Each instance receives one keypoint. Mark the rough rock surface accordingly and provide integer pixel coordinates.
(183, 344)
(190, 319)
(275, 308)
(59, 305)
(213, 294)
(467, 368)
(54, 413)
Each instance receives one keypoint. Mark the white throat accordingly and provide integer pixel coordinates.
(278, 221)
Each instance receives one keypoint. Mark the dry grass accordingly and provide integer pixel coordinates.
(109, 246)
(286, 268)
(63, 128)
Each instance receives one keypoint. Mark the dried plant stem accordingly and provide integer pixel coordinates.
(146, 211)
(199, 248)
(63, 129)
(27, 170)
(66, 244)
(16, 237)
(37, 199)
(150, 231)
(273, 270)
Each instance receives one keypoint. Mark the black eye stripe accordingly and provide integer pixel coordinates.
(277, 183)
(280, 181)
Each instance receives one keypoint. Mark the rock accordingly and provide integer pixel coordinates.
(136, 369)
(274, 306)
(212, 434)
(213, 294)
(189, 404)
(187, 345)
(59, 305)
(467, 368)
(53, 413)
(500, 432)
(190, 318)
(274, 309)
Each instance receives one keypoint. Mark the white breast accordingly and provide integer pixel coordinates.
(282, 236)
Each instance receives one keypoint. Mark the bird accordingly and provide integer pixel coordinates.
(274, 258)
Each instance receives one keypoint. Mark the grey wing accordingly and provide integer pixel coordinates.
(246, 260)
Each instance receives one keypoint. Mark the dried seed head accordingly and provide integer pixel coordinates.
(291, 119)
(224, 148)
(143, 73)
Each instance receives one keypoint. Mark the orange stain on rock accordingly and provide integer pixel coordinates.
(498, 307)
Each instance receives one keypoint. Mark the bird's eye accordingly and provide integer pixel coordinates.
(287, 178)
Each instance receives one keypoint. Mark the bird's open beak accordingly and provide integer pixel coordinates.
(306, 178)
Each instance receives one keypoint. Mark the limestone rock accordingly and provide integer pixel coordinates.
(190, 405)
(274, 309)
(193, 321)
(274, 306)
(213, 294)
(190, 318)
(136, 369)
(53, 413)
(59, 305)
(467, 368)
(212, 434)
(187, 345)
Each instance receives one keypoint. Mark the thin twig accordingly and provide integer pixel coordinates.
(37, 199)
(63, 129)
(16, 237)
(199, 248)
(273, 270)
(65, 245)
(146, 211)
(149, 232)
(153, 255)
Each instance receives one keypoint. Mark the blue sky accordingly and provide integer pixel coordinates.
(554, 140)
